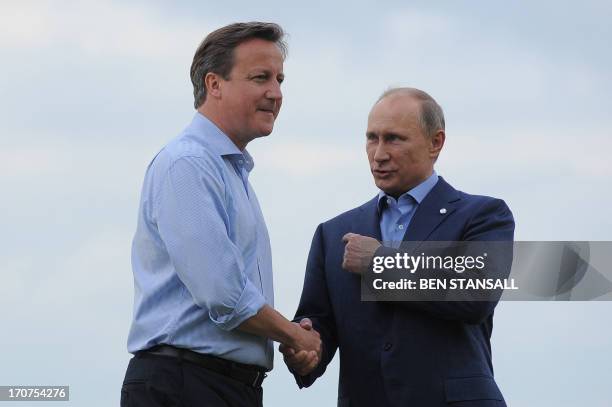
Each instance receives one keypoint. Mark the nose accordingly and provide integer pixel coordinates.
(380, 154)
(274, 92)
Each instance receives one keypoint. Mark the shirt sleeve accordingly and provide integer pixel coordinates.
(193, 224)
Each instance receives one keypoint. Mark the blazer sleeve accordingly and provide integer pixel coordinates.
(315, 304)
(492, 222)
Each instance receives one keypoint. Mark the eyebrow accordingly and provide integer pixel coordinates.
(258, 70)
(384, 135)
(392, 134)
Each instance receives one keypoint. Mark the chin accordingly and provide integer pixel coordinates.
(265, 131)
(389, 189)
(382, 185)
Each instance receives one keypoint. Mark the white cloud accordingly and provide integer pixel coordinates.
(28, 162)
(24, 23)
(98, 27)
(531, 151)
(85, 274)
(415, 25)
(308, 159)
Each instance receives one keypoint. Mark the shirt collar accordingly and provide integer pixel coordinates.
(219, 142)
(418, 193)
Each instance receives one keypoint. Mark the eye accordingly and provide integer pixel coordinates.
(394, 138)
(260, 78)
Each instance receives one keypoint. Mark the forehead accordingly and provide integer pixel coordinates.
(258, 53)
(395, 112)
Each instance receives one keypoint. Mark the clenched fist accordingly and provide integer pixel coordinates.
(358, 252)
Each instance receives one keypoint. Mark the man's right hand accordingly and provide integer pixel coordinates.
(307, 352)
(301, 344)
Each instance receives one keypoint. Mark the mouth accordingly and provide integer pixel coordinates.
(382, 173)
(268, 111)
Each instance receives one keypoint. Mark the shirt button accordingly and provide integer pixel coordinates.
(240, 162)
(387, 346)
(400, 226)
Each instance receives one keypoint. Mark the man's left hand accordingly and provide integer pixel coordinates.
(358, 252)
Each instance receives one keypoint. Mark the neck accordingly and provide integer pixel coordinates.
(214, 115)
(397, 194)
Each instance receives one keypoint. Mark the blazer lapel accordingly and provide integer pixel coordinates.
(433, 210)
(367, 223)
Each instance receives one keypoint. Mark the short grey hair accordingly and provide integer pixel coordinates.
(431, 117)
(216, 51)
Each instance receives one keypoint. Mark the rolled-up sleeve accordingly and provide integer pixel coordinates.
(193, 223)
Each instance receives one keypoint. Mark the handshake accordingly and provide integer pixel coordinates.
(304, 354)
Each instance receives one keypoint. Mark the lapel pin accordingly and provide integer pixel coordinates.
(442, 211)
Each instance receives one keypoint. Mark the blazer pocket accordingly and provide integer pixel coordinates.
(471, 388)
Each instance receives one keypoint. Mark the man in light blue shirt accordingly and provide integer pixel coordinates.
(203, 319)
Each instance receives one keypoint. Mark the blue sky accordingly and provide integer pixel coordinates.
(92, 89)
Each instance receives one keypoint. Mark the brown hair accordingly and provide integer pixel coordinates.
(216, 52)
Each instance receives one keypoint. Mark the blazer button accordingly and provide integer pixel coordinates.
(387, 346)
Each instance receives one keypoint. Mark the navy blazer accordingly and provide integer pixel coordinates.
(422, 354)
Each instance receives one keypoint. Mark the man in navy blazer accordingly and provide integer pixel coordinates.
(412, 353)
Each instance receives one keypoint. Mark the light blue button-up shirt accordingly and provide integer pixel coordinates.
(201, 253)
(396, 214)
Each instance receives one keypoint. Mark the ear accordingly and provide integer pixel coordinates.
(212, 81)
(437, 142)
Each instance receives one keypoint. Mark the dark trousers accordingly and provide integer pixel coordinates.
(156, 381)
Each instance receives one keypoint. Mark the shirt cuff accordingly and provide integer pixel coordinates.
(249, 303)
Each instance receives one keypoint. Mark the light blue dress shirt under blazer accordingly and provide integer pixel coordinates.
(396, 214)
(201, 253)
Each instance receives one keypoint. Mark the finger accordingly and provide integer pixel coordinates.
(297, 361)
(347, 263)
(299, 357)
(347, 266)
(310, 359)
(346, 258)
(347, 237)
(306, 323)
(286, 350)
(312, 366)
(307, 366)
(316, 334)
(312, 362)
